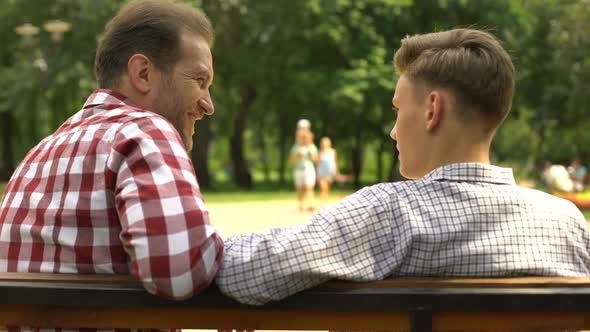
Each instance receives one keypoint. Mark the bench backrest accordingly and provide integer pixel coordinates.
(109, 301)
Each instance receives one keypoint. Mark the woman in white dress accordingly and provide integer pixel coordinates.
(304, 155)
(327, 167)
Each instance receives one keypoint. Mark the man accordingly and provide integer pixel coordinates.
(460, 217)
(113, 190)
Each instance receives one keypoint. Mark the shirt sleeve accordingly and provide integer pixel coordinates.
(355, 240)
(165, 229)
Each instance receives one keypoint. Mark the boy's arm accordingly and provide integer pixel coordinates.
(353, 240)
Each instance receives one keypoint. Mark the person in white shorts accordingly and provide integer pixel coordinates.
(303, 156)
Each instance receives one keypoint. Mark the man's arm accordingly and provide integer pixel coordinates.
(356, 239)
(173, 249)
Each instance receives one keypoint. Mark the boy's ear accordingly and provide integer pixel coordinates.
(436, 107)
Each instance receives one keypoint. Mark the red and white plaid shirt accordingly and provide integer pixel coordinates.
(111, 191)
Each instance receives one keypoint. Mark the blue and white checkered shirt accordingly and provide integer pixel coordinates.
(461, 220)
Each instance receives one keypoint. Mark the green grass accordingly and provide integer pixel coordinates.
(268, 194)
(227, 194)
(246, 196)
(259, 195)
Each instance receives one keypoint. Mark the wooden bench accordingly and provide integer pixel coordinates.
(106, 301)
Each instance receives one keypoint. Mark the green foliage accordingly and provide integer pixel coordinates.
(326, 60)
(43, 81)
(553, 67)
(516, 141)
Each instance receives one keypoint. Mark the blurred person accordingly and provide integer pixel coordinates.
(577, 173)
(113, 190)
(546, 174)
(303, 124)
(557, 178)
(458, 216)
(303, 156)
(327, 167)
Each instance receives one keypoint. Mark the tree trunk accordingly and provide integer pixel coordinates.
(357, 154)
(380, 155)
(7, 162)
(242, 176)
(539, 158)
(200, 152)
(265, 161)
(283, 152)
(356, 165)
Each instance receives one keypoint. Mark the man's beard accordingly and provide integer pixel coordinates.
(179, 121)
(171, 108)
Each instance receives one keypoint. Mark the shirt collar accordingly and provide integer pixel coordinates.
(472, 172)
(110, 97)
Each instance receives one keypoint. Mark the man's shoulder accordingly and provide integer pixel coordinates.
(128, 120)
(130, 114)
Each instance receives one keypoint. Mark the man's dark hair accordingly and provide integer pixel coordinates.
(148, 27)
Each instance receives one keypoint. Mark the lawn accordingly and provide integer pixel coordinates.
(260, 196)
(228, 196)
(246, 196)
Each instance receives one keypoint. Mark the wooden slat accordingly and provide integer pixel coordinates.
(391, 283)
(100, 317)
(164, 318)
(511, 321)
(278, 319)
(70, 278)
(466, 283)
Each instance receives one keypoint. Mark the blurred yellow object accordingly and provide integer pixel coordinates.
(584, 195)
(581, 199)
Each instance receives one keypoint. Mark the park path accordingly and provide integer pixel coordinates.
(256, 217)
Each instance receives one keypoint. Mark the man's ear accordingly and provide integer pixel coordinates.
(436, 108)
(140, 71)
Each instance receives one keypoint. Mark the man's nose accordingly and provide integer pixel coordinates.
(210, 109)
